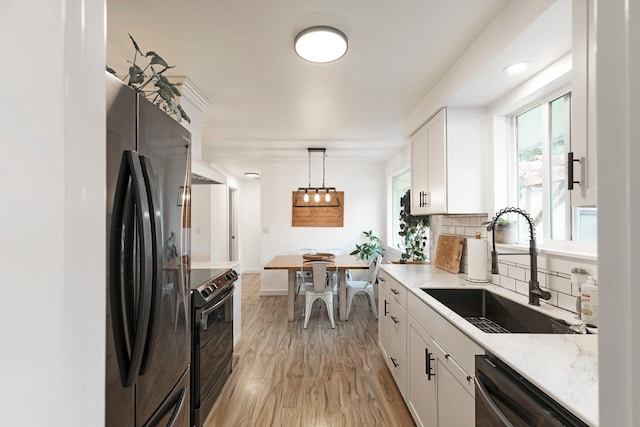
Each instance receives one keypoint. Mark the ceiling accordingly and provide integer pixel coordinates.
(267, 103)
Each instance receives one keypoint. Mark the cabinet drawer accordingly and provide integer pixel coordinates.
(398, 326)
(464, 378)
(451, 339)
(397, 364)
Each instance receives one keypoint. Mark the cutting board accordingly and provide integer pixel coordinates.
(449, 252)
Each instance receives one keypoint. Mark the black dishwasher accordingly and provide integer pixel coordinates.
(505, 398)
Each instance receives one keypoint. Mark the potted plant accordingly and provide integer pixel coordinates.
(369, 249)
(506, 231)
(163, 92)
(413, 230)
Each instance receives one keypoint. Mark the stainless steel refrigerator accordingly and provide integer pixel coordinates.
(148, 252)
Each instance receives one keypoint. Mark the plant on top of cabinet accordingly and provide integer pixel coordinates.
(163, 93)
(413, 230)
(369, 249)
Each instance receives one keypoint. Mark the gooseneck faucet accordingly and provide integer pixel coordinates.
(535, 293)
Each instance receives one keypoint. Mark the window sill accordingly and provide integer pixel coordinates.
(565, 253)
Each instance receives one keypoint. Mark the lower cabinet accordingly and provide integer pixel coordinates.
(422, 392)
(392, 328)
(440, 392)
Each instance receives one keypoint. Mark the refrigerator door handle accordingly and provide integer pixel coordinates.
(176, 402)
(130, 232)
(155, 285)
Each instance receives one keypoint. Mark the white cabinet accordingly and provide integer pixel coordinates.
(446, 163)
(583, 104)
(392, 328)
(422, 391)
(440, 389)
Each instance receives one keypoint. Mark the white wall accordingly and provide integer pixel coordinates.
(249, 229)
(364, 209)
(200, 223)
(53, 184)
(618, 103)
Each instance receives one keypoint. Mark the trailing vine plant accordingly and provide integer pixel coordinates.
(413, 230)
(163, 92)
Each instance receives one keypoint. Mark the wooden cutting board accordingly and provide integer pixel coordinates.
(449, 252)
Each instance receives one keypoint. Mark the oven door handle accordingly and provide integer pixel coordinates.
(205, 313)
(483, 395)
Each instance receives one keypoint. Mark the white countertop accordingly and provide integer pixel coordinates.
(214, 265)
(565, 366)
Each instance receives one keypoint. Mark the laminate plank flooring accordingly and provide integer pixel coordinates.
(284, 375)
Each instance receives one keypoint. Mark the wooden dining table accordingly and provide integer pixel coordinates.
(293, 263)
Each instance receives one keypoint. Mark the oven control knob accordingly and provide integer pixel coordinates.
(206, 292)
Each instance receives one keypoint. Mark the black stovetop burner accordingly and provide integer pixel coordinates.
(207, 283)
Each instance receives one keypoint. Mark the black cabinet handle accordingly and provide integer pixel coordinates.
(386, 304)
(570, 162)
(395, 291)
(428, 366)
(395, 319)
(446, 356)
(469, 378)
(395, 364)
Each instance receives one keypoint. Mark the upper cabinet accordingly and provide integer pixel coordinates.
(583, 105)
(447, 161)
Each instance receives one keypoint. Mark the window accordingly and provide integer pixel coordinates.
(542, 137)
(400, 184)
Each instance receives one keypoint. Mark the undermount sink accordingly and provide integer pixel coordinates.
(495, 314)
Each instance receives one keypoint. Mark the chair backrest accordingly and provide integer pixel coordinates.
(374, 266)
(320, 268)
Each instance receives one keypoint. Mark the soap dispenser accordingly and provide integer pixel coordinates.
(589, 302)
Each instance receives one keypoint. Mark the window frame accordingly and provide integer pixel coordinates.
(543, 241)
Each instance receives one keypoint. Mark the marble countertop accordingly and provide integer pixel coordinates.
(565, 366)
(215, 265)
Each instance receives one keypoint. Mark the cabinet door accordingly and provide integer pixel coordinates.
(429, 167)
(583, 104)
(437, 163)
(384, 317)
(421, 387)
(419, 182)
(456, 407)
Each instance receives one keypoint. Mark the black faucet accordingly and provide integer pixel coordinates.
(535, 293)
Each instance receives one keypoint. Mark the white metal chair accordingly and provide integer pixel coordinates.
(367, 285)
(333, 276)
(303, 276)
(319, 288)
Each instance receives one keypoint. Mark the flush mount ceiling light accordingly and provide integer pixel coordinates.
(516, 68)
(251, 175)
(320, 44)
(317, 197)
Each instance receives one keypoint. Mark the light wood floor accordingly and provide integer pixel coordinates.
(284, 375)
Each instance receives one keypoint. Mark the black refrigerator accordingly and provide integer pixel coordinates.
(148, 253)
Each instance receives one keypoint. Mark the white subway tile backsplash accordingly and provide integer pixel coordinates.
(554, 271)
(560, 284)
(508, 282)
(568, 302)
(522, 287)
(517, 273)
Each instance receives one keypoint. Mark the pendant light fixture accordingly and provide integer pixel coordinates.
(321, 44)
(317, 197)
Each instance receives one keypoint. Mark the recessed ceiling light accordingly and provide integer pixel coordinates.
(252, 175)
(517, 67)
(320, 44)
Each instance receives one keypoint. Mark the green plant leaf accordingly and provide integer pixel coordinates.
(183, 114)
(135, 45)
(156, 59)
(136, 76)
